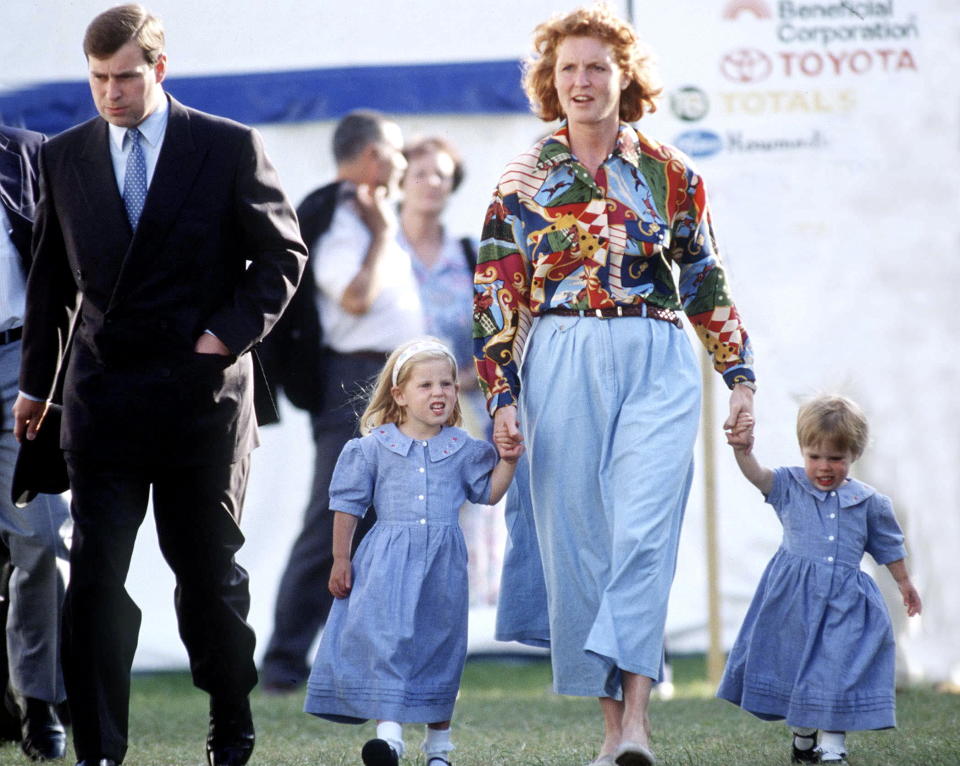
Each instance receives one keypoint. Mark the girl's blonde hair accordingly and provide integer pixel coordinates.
(539, 83)
(382, 408)
(833, 419)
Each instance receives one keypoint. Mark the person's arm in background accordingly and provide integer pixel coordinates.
(376, 212)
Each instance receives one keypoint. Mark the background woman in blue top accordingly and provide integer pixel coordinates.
(394, 646)
(816, 646)
(596, 240)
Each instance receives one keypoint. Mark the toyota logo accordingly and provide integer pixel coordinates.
(746, 65)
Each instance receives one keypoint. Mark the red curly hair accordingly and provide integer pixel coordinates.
(601, 23)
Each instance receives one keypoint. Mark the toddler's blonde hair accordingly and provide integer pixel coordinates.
(833, 419)
(382, 407)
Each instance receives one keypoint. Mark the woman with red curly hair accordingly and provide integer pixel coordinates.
(597, 240)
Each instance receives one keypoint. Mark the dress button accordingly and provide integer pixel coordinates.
(423, 444)
(833, 515)
(421, 469)
(419, 497)
(829, 558)
(833, 494)
(830, 538)
(423, 521)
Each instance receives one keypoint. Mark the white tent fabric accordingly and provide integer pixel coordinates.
(829, 138)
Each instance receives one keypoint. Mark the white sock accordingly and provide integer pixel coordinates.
(804, 738)
(437, 743)
(833, 743)
(392, 733)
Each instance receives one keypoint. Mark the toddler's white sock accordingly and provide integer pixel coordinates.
(437, 743)
(833, 744)
(392, 733)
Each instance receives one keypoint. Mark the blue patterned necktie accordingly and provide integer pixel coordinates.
(134, 179)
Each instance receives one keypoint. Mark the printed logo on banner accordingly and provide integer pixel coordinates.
(758, 8)
(746, 65)
(798, 102)
(699, 143)
(689, 103)
(750, 65)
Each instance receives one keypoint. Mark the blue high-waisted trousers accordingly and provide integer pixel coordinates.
(609, 409)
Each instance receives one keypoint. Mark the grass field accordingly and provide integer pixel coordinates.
(507, 716)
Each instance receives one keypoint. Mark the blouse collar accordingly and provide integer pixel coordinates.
(449, 441)
(556, 147)
(851, 492)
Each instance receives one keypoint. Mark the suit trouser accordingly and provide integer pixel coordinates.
(303, 598)
(36, 537)
(197, 513)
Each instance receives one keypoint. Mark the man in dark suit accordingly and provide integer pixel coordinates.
(164, 237)
(32, 539)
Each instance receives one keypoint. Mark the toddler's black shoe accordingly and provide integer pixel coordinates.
(805, 755)
(377, 752)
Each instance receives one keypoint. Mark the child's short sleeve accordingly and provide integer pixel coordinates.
(884, 536)
(351, 488)
(478, 466)
(779, 494)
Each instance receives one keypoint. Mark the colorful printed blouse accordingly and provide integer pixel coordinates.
(556, 237)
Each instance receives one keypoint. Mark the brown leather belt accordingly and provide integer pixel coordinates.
(634, 310)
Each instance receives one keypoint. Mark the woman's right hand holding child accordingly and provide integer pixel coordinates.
(740, 437)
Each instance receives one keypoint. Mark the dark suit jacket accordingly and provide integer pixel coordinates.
(18, 184)
(217, 248)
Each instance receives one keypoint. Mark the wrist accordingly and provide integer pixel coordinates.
(748, 385)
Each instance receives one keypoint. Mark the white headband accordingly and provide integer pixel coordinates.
(418, 348)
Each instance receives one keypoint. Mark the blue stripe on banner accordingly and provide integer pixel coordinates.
(315, 94)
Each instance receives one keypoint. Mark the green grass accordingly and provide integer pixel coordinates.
(507, 716)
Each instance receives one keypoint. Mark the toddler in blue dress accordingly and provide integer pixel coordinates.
(816, 647)
(395, 643)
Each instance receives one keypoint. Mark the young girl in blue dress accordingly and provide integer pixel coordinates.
(816, 647)
(395, 643)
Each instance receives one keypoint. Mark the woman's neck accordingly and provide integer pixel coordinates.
(424, 234)
(592, 144)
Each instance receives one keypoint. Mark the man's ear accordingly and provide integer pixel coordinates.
(161, 67)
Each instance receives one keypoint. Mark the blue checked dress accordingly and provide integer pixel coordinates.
(394, 649)
(816, 646)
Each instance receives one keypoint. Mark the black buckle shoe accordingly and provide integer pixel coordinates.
(377, 752)
(805, 755)
(231, 737)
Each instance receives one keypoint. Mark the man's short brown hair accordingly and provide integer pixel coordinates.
(114, 28)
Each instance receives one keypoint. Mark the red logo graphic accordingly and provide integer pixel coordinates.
(758, 8)
(746, 65)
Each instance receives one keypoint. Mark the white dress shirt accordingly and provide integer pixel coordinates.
(13, 282)
(153, 129)
(396, 314)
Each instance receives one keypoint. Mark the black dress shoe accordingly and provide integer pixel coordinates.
(42, 735)
(377, 752)
(230, 738)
